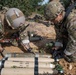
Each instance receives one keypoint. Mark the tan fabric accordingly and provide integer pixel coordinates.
(15, 16)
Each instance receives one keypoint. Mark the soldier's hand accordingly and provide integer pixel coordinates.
(56, 48)
(29, 49)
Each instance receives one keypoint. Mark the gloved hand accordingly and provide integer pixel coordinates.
(57, 51)
(57, 46)
(29, 50)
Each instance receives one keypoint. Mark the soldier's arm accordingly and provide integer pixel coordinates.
(24, 41)
(71, 46)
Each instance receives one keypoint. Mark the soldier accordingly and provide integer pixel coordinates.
(14, 28)
(65, 28)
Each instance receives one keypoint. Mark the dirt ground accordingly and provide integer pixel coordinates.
(48, 34)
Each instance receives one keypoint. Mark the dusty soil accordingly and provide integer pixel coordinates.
(48, 34)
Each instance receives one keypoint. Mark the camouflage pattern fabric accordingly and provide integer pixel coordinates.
(8, 32)
(53, 9)
(71, 27)
(69, 30)
(24, 35)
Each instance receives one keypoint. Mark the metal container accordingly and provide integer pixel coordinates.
(27, 71)
(25, 64)
(31, 59)
(28, 55)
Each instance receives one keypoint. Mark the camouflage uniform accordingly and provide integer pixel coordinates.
(71, 28)
(13, 31)
(66, 31)
(7, 33)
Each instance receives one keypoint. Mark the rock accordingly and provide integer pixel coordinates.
(70, 66)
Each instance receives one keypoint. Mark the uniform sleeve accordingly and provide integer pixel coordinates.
(24, 37)
(71, 46)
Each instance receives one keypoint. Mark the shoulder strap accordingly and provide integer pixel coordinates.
(22, 28)
(69, 10)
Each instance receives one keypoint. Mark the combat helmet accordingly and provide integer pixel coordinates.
(14, 18)
(53, 9)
